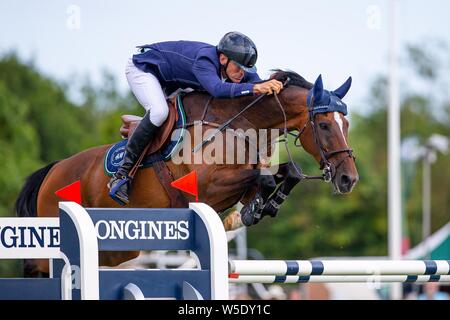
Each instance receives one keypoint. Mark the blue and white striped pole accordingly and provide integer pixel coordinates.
(339, 267)
(338, 279)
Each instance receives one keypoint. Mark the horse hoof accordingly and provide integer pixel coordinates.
(247, 217)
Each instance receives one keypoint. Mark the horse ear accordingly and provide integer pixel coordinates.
(318, 88)
(342, 90)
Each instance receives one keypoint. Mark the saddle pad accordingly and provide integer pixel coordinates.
(115, 154)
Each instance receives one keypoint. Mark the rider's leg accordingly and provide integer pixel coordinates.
(148, 91)
(150, 95)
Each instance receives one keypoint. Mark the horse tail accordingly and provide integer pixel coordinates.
(26, 206)
(26, 203)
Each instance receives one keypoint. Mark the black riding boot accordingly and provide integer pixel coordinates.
(119, 185)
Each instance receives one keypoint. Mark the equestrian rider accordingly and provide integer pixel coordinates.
(158, 70)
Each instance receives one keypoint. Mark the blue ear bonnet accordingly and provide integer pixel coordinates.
(327, 101)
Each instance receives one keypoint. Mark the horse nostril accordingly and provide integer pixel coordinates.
(346, 181)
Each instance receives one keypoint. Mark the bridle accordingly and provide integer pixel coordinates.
(328, 168)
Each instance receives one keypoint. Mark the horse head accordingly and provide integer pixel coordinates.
(319, 116)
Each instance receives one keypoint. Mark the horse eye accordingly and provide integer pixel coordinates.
(323, 126)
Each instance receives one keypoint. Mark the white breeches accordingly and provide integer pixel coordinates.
(148, 91)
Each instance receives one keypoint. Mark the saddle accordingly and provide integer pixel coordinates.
(130, 122)
(164, 174)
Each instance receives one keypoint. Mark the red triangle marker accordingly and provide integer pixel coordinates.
(72, 192)
(188, 184)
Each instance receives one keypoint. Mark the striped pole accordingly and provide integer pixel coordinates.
(339, 267)
(235, 278)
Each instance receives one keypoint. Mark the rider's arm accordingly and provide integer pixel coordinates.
(206, 73)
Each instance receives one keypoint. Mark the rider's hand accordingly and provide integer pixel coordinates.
(268, 87)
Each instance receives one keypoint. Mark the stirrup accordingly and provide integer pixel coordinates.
(113, 191)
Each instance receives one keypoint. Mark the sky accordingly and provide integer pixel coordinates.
(334, 38)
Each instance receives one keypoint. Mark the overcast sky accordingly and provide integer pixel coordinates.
(335, 38)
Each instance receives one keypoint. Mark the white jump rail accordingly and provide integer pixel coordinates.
(339, 267)
(339, 279)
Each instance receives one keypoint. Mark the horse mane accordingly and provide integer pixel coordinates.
(294, 78)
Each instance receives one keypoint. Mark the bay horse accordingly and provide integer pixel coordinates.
(316, 113)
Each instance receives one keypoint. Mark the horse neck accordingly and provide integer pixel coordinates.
(265, 114)
(270, 115)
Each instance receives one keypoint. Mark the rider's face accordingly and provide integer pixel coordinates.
(233, 72)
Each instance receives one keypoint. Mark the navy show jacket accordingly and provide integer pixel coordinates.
(183, 64)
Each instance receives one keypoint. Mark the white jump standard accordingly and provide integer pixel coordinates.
(73, 242)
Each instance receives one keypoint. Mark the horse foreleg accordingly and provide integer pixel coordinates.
(226, 186)
(293, 176)
(251, 213)
(283, 171)
(253, 200)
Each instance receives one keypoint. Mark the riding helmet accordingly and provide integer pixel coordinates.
(239, 48)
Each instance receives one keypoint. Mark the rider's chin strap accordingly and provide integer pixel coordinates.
(226, 67)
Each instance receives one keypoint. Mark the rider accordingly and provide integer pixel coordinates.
(157, 70)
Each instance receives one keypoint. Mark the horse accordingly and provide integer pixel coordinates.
(300, 106)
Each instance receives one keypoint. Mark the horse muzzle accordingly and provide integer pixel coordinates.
(344, 182)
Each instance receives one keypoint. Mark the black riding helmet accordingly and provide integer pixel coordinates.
(239, 48)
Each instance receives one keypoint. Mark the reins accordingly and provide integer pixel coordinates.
(329, 170)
